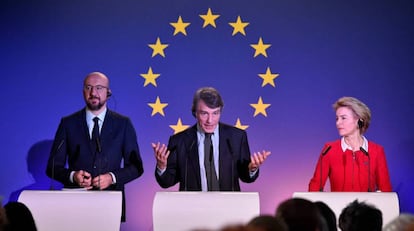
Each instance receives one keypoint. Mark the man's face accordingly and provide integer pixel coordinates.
(95, 91)
(207, 118)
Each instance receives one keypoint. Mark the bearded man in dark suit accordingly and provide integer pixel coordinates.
(95, 148)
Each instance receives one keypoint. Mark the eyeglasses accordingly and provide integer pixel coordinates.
(98, 88)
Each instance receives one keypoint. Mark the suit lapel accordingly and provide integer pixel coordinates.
(193, 158)
(85, 130)
(225, 157)
(105, 133)
(107, 128)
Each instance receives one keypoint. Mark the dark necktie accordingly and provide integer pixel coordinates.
(95, 131)
(95, 134)
(212, 182)
(97, 143)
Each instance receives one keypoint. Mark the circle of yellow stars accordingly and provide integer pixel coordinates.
(209, 19)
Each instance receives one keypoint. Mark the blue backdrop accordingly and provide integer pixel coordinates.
(296, 57)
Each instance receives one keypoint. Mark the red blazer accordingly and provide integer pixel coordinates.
(348, 171)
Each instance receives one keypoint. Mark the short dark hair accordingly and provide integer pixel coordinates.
(19, 217)
(267, 223)
(299, 214)
(327, 214)
(359, 216)
(210, 96)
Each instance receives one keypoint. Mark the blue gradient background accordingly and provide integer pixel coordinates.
(322, 50)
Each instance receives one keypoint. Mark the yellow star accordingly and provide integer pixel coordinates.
(179, 126)
(180, 26)
(260, 48)
(158, 48)
(158, 107)
(260, 107)
(239, 125)
(150, 77)
(268, 77)
(209, 18)
(238, 26)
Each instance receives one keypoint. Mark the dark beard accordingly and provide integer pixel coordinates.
(94, 107)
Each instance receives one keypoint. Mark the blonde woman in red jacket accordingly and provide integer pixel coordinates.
(352, 163)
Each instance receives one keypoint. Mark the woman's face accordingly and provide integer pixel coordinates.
(346, 122)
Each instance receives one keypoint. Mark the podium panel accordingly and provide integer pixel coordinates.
(74, 210)
(387, 202)
(183, 211)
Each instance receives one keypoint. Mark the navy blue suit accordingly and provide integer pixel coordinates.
(72, 145)
(183, 163)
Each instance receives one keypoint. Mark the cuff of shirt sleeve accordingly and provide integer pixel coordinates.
(252, 174)
(160, 171)
(113, 178)
(71, 177)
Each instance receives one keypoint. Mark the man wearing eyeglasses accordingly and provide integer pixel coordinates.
(209, 156)
(95, 148)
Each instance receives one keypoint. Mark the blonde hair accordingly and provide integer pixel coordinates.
(360, 110)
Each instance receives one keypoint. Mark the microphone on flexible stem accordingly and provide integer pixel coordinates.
(369, 167)
(232, 164)
(99, 150)
(324, 152)
(53, 163)
(98, 145)
(186, 164)
(210, 159)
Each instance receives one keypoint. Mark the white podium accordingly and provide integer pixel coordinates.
(386, 202)
(184, 211)
(74, 210)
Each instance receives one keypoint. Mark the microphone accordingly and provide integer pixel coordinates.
(98, 145)
(53, 163)
(364, 151)
(210, 157)
(99, 150)
(324, 152)
(369, 167)
(186, 164)
(210, 166)
(232, 164)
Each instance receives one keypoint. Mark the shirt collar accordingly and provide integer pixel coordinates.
(90, 115)
(345, 146)
(200, 131)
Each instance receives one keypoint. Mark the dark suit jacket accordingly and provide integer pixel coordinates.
(72, 146)
(183, 163)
